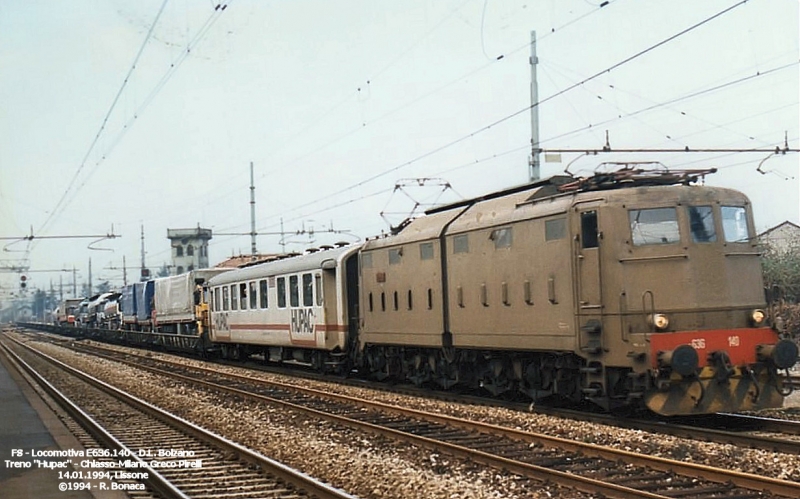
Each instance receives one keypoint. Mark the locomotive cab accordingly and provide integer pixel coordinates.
(669, 301)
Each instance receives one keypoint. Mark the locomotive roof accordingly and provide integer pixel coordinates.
(623, 178)
(553, 196)
(300, 263)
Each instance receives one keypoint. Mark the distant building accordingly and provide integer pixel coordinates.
(189, 249)
(783, 237)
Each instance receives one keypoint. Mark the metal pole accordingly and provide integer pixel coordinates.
(253, 251)
(534, 163)
(142, 277)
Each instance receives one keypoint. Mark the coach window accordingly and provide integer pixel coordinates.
(502, 237)
(294, 291)
(461, 244)
(243, 295)
(308, 290)
(234, 297)
(426, 251)
(215, 299)
(318, 286)
(734, 224)
(555, 229)
(654, 226)
(263, 289)
(281, 292)
(253, 295)
(701, 224)
(225, 304)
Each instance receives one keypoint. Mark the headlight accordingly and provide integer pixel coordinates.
(757, 317)
(660, 321)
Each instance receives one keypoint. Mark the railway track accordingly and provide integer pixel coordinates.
(584, 467)
(749, 431)
(170, 456)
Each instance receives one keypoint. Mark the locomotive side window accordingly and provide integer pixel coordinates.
(654, 226)
(589, 229)
(366, 260)
(502, 237)
(461, 244)
(225, 303)
(281, 292)
(555, 229)
(701, 223)
(294, 291)
(253, 295)
(394, 255)
(263, 290)
(308, 290)
(734, 224)
(426, 251)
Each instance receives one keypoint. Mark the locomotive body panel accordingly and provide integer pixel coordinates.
(509, 276)
(401, 290)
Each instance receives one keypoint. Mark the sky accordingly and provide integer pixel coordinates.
(120, 117)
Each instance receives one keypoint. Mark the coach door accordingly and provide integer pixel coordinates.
(588, 263)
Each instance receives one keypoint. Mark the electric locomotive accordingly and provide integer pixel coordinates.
(624, 289)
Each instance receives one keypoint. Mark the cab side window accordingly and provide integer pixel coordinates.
(654, 226)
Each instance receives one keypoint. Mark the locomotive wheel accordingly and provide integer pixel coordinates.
(446, 373)
(418, 369)
(376, 361)
(495, 377)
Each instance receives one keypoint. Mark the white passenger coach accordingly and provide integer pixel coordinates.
(289, 309)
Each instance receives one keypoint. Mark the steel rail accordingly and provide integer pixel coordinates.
(155, 481)
(718, 475)
(301, 480)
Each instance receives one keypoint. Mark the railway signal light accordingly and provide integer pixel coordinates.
(22, 281)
